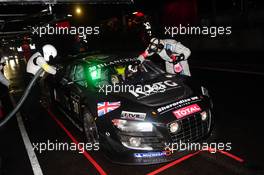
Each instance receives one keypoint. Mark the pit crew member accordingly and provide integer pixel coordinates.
(172, 52)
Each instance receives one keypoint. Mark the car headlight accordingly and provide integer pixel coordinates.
(133, 142)
(132, 126)
(205, 91)
(174, 127)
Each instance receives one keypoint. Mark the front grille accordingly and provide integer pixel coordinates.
(192, 129)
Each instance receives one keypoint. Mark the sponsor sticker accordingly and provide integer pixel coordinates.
(133, 115)
(117, 61)
(180, 113)
(178, 104)
(150, 154)
(105, 107)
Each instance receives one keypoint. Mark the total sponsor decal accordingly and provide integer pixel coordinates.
(150, 154)
(133, 115)
(178, 103)
(180, 113)
(158, 87)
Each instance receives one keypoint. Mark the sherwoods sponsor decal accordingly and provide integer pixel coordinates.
(178, 103)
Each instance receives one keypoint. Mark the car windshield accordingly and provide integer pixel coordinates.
(124, 73)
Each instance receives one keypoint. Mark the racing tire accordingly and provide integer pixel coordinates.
(90, 128)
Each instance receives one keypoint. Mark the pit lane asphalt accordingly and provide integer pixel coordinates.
(238, 102)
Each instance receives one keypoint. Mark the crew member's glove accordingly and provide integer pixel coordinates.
(132, 68)
(143, 56)
(44, 65)
(177, 58)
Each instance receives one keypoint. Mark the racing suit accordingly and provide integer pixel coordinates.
(36, 62)
(169, 50)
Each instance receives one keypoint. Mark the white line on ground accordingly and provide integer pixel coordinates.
(31, 154)
(228, 70)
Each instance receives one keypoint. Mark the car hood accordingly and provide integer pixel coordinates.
(157, 92)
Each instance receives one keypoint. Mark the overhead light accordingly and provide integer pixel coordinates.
(69, 15)
(78, 10)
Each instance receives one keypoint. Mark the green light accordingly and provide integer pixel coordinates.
(95, 73)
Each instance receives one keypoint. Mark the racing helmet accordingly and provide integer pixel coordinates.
(49, 51)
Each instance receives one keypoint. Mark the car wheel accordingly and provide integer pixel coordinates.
(90, 128)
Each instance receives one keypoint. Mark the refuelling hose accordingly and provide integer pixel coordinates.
(23, 98)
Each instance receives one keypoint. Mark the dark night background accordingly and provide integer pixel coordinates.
(245, 16)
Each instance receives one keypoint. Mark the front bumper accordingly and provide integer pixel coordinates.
(192, 130)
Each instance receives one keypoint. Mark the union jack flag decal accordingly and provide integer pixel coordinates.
(105, 107)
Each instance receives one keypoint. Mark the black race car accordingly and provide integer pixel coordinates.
(131, 109)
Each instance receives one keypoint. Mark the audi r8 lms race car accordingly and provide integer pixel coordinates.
(133, 110)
